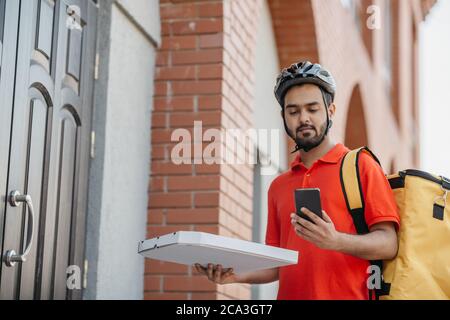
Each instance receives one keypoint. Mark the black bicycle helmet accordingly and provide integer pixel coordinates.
(301, 73)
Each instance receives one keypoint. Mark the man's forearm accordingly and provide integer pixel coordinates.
(258, 277)
(376, 245)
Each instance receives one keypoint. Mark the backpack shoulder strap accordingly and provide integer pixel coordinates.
(352, 189)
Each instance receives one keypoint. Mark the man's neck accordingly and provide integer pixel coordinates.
(308, 158)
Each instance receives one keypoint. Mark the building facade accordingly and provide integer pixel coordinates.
(92, 94)
(218, 63)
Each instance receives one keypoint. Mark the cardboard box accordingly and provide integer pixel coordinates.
(186, 247)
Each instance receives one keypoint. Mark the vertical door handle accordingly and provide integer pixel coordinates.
(15, 199)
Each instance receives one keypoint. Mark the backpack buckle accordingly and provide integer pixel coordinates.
(445, 183)
(445, 190)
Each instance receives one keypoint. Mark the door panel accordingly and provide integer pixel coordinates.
(44, 30)
(42, 97)
(67, 174)
(39, 113)
(14, 218)
(66, 179)
(48, 156)
(9, 28)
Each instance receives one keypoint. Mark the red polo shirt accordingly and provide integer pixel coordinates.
(325, 274)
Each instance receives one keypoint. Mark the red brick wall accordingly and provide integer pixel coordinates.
(240, 26)
(204, 73)
(325, 32)
(343, 49)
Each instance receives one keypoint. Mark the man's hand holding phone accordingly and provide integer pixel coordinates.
(321, 231)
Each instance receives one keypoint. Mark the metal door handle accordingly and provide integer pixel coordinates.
(15, 199)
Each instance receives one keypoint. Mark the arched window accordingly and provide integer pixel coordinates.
(355, 131)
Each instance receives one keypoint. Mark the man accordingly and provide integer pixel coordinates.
(334, 260)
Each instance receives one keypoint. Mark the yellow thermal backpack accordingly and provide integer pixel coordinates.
(421, 269)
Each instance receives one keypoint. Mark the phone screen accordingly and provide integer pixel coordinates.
(310, 199)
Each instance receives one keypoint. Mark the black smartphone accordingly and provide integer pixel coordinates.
(310, 199)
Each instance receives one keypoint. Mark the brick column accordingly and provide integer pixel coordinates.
(204, 73)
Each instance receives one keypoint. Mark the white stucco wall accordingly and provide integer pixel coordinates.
(267, 116)
(120, 270)
(145, 14)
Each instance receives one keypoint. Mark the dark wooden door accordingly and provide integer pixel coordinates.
(49, 110)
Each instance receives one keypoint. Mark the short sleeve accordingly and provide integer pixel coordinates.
(273, 229)
(380, 205)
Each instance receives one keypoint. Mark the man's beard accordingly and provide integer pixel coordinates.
(309, 143)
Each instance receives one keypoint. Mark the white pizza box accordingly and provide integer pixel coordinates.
(189, 247)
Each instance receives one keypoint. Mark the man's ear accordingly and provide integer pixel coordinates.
(332, 110)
